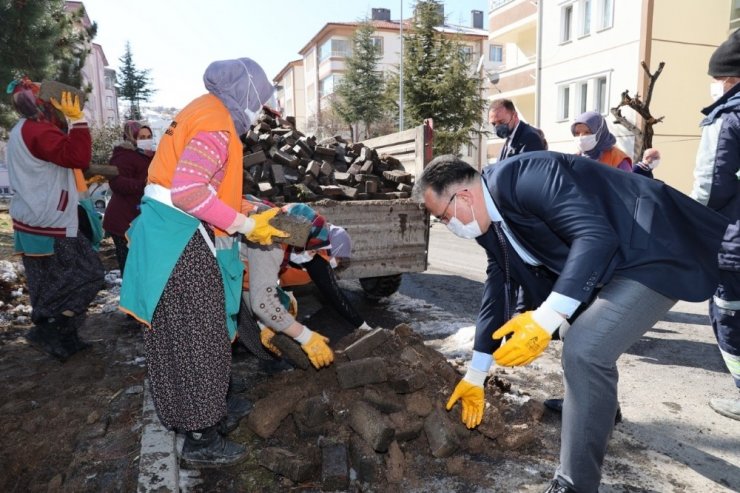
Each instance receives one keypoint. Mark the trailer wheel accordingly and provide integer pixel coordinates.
(379, 287)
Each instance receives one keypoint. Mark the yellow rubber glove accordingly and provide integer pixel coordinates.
(68, 107)
(527, 342)
(473, 402)
(318, 351)
(266, 335)
(263, 232)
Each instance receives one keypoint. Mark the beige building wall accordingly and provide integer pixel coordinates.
(684, 35)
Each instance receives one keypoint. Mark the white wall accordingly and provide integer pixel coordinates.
(612, 52)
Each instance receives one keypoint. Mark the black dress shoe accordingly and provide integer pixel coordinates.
(557, 487)
(556, 405)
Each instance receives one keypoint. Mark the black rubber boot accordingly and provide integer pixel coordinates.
(236, 409)
(68, 328)
(45, 336)
(207, 448)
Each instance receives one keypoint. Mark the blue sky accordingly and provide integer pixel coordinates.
(177, 40)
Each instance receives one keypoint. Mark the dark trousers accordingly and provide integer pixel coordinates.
(724, 313)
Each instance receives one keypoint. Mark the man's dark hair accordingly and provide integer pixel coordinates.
(506, 103)
(442, 173)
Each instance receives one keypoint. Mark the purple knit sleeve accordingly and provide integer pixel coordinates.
(197, 177)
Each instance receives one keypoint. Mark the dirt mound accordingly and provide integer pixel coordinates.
(375, 421)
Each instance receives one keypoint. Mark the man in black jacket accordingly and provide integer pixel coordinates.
(624, 247)
(520, 136)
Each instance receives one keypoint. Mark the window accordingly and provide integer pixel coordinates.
(108, 82)
(334, 48)
(378, 43)
(582, 97)
(585, 17)
(606, 14)
(496, 53)
(566, 23)
(327, 85)
(601, 102)
(564, 102)
(109, 102)
(467, 52)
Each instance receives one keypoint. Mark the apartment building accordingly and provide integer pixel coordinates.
(101, 107)
(306, 85)
(585, 53)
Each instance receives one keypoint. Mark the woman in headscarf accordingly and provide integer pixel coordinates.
(593, 140)
(132, 158)
(183, 274)
(46, 156)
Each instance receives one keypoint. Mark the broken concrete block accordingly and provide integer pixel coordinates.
(333, 191)
(365, 461)
(342, 178)
(349, 191)
(286, 463)
(314, 168)
(363, 347)
(354, 169)
(398, 176)
(440, 432)
(266, 188)
(270, 411)
(367, 167)
(326, 168)
(395, 463)
(285, 159)
(334, 467)
(371, 425)
(325, 151)
(298, 227)
(406, 425)
(371, 187)
(402, 187)
(493, 424)
(278, 176)
(254, 158)
(361, 372)
(408, 382)
(386, 402)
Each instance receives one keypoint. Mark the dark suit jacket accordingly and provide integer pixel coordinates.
(587, 222)
(526, 139)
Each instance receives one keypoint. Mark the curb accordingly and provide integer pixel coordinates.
(159, 468)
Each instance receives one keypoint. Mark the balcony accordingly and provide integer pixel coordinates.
(511, 20)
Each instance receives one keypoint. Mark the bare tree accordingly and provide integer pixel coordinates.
(644, 135)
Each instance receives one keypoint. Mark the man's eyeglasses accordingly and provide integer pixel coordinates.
(441, 217)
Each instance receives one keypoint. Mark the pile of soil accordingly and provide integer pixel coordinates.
(304, 434)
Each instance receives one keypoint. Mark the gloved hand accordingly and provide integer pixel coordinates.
(266, 335)
(68, 107)
(257, 228)
(316, 348)
(531, 333)
(470, 391)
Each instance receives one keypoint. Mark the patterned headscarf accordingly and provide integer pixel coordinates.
(242, 86)
(131, 131)
(24, 95)
(596, 123)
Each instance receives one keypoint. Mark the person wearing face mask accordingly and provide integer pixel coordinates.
(183, 274)
(716, 185)
(612, 278)
(650, 161)
(132, 157)
(520, 136)
(594, 140)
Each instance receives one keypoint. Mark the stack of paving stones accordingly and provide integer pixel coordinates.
(375, 419)
(283, 165)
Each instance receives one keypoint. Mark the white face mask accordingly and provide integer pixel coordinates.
(468, 231)
(585, 142)
(654, 163)
(716, 89)
(145, 144)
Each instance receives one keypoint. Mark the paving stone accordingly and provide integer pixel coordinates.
(361, 372)
(441, 434)
(387, 402)
(270, 411)
(407, 426)
(366, 462)
(395, 463)
(408, 382)
(363, 347)
(286, 463)
(258, 157)
(334, 467)
(371, 425)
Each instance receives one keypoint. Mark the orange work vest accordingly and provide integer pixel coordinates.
(204, 114)
(612, 157)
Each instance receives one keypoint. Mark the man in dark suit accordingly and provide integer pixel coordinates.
(520, 136)
(613, 246)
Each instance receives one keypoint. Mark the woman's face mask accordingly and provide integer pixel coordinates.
(145, 144)
(585, 143)
(468, 230)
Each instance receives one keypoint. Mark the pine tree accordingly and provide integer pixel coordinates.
(133, 85)
(358, 95)
(43, 41)
(438, 82)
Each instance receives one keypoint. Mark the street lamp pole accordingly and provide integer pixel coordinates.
(400, 80)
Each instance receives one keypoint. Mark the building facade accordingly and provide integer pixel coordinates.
(588, 52)
(321, 66)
